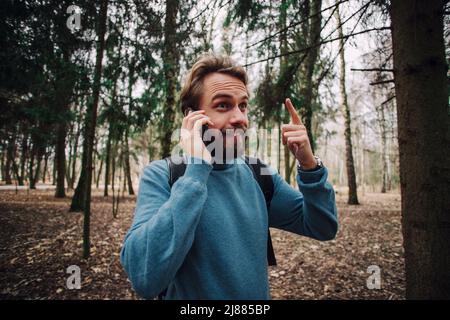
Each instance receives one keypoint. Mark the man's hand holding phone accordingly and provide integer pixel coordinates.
(191, 135)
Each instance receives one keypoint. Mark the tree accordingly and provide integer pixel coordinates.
(350, 166)
(171, 56)
(423, 135)
(90, 124)
(313, 37)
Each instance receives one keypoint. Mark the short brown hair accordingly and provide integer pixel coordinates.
(210, 63)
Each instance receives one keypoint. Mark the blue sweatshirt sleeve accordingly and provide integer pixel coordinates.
(309, 212)
(164, 225)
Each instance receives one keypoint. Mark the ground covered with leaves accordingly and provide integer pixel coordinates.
(40, 239)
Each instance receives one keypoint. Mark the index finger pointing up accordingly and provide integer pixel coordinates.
(294, 115)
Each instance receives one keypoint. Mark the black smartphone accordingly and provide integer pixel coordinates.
(204, 128)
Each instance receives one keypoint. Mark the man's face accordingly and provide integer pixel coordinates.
(225, 101)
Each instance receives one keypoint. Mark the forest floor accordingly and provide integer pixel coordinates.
(40, 239)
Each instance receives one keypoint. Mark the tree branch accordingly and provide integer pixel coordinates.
(382, 82)
(389, 99)
(373, 69)
(294, 24)
(317, 44)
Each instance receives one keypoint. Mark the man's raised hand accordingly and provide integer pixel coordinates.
(296, 137)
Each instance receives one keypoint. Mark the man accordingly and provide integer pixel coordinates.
(206, 236)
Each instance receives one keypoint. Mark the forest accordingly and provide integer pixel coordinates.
(89, 96)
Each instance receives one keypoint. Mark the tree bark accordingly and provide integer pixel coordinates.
(32, 182)
(91, 121)
(60, 160)
(70, 157)
(23, 159)
(384, 155)
(171, 58)
(75, 152)
(283, 69)
(127, 166)
(423, 136)
(9, 160)
(99, 172)
(350, 165)
(2, 163)
(64, 91)
(107, 161)
(311, 59)
(77, 203)
(44, 172)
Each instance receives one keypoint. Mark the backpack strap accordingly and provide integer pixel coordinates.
(265, 182)
(176, 170)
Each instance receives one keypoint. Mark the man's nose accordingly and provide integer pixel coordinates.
(239, 117)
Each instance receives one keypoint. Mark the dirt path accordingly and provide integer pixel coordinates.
(39, 240)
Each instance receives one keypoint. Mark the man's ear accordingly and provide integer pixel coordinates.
(186, 112)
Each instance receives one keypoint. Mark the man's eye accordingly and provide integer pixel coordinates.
(222, 106)
(243, 106)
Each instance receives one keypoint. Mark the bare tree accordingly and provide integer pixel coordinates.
(350, 166)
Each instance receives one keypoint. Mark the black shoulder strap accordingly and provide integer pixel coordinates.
(265, 182)
(176, 170)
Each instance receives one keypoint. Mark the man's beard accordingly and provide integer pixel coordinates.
(232, 146)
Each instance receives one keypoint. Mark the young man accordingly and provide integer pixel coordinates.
(205, 237)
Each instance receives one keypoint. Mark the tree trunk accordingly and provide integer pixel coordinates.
(384, 155)
(2, 163)
(77, 203)
(91, 121)
(112, 129)
(32, 182)
(70, 157)
(60, 160)
(350, 166)
(108, 161)
(171, 58)
(65, 89)
(113, 178)
(127, 167)
(75, 156)
(423, 135)
(14, 164)
(150, 147)
(311, 59)
(44, 172)
(94, 160)
(54, 172)
(99, 172)
(23, 159)
(283, 69)
(34, 177)
(9, 160)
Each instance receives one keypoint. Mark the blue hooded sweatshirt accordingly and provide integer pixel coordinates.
(206, 237)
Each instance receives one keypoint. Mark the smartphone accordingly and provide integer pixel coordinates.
(204, 128)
